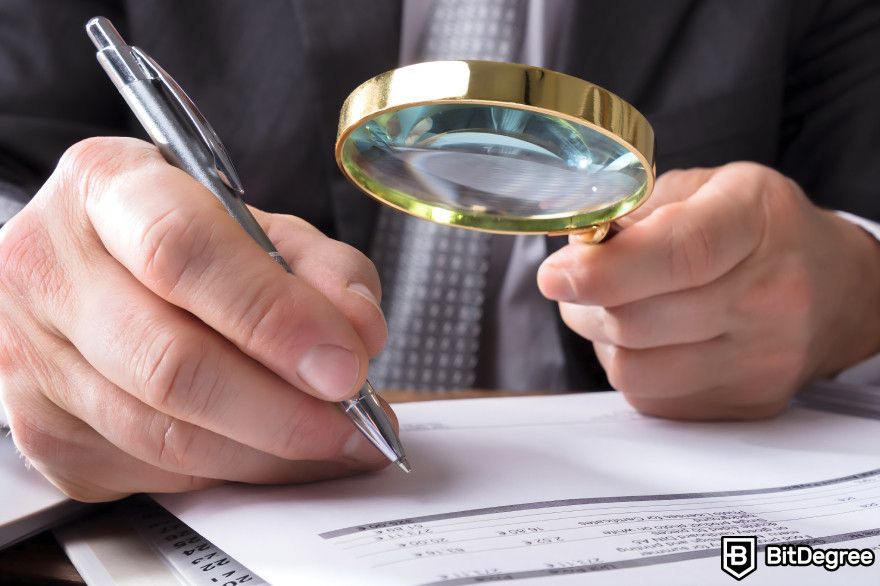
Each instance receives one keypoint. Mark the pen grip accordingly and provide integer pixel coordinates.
(182, 147)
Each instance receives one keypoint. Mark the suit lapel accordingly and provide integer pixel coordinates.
(620, 45)
(346, 43)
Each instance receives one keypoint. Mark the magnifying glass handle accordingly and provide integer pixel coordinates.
(598, 233)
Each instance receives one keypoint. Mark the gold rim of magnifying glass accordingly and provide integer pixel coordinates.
(509, 85)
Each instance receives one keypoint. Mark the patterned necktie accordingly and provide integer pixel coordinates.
(434, 276)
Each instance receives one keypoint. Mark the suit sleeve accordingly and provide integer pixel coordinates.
(831, 125)
(52, 91)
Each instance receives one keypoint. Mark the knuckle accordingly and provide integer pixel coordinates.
(27, 365)
(691, 255)
(357, 258)
(627, 373)
(673, 175)
(49, 450)
(27, 262)
(291, 438)
(668, 214)
(180, 375)
(299, 223)
(283, 224)
(170, 247)
(8, 359)
(795, 291)
(743, 167)
(259, 319)
(32, 439)
(621, 327)
(173, 444)
(617, 369)
(86, 166)
(307, 437)
(17, 238)
(269, 318)
(288, 233)
(786, 295)
(573, 316)
(10, 355)
(777, 196)
(363, 266)
(341, 263)
(23, 369)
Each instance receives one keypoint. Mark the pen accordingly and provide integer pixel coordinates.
(188, 142)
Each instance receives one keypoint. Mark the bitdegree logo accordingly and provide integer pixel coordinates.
(804, 555)
(738, 555)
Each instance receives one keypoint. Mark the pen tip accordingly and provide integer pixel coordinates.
(404, 465)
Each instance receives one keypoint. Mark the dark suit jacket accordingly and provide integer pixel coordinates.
(794, 84)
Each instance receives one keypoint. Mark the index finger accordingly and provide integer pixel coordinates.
(174, 237)
(678, 246)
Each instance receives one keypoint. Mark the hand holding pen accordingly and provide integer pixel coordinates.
(148, 344)
(188, 142)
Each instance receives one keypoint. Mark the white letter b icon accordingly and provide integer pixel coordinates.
(738, 556)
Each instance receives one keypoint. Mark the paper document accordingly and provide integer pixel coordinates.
(546, 489)
(28, 502)
(135, 542)
(838, 397)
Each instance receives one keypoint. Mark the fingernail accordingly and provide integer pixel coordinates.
(557, 283)
(331, 370)
(364, 292)
(567, 292)
(359, 448)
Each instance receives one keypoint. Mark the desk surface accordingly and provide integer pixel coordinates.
(40, 560)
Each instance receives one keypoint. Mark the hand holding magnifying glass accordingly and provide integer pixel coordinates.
(723, 295)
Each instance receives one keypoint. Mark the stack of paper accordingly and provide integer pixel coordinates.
(28, 502)
(547, 489)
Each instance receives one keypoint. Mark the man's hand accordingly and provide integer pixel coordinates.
(722, 295)
(148, 344)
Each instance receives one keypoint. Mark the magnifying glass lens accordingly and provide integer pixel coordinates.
(510, 164)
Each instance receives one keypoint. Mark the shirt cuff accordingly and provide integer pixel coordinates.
(872, 228)
(867, 371)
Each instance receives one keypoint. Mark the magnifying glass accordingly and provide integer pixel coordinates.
(497, 147)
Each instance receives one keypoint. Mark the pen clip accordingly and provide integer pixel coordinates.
(222, 161)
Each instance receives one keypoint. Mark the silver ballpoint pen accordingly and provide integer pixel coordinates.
(188, 142)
